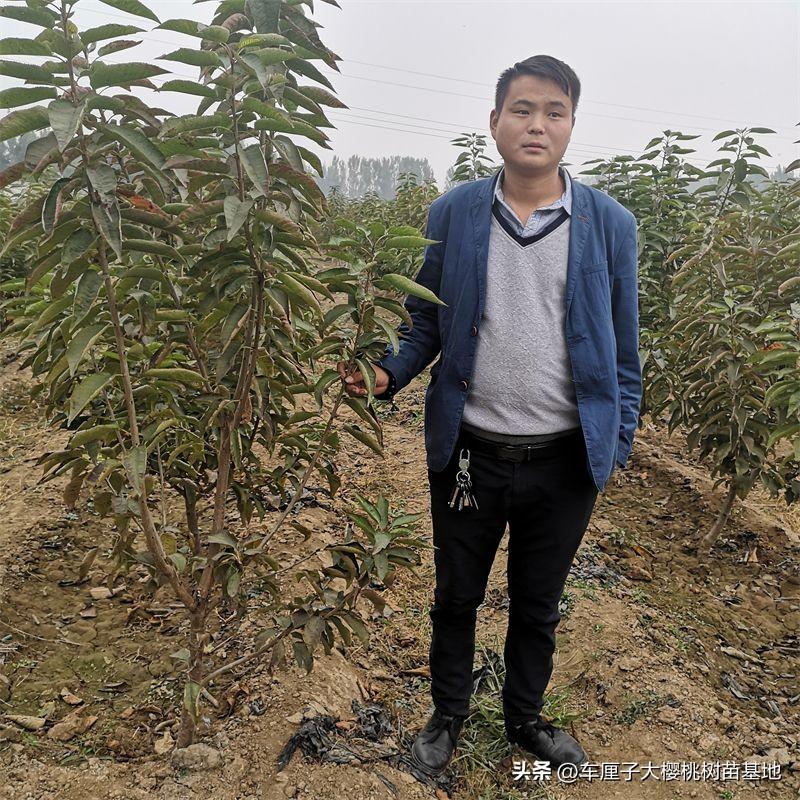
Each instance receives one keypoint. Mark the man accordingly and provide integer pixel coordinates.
(532, 404)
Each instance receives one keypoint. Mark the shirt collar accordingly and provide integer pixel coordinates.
(565, 200)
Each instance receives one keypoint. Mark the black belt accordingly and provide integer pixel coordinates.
(518, 453)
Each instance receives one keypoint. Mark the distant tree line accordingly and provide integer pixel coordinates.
(358, 176)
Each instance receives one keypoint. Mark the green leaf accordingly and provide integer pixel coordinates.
(789, 284)
(312, 632)
(86, 391)
(176, 125)
(103, 179)
(135, 463)
(213, 33)
(191, 698)
(255, 166)
(80, 343)
(364, 438)
(265, 110)
(321, 97)
(195, 58)
(233, 582)
(309, 70)
(325, 380)
(367, 373)
(111, 31)
(357, 626)
(116, 47)
(395, 308)
(151, 246)
(302, 656)
(13, 173)
(23, 47)
(188, 87)
(64, 120)
(19, 122)
(272, 55)
(93, 434)
(101, 75)
(223, 538)
(77, 244)
(296, 289)
(265, 14)
(86, 292)
(177, 374)
(236, 212)
(390, 332)
(108, 220)
(295, 127)
(23, 96)
(51, 311)
(139, 144)
(42, 17)
(52, 205)
(408, 242)
(25, 72)
(132, 7)
(406, 285)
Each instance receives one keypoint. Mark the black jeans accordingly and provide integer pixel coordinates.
(547, 503)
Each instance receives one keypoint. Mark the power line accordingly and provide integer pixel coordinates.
(475, 97)
(595, 102)
(580, 148)
(473, 129)
(574, 145)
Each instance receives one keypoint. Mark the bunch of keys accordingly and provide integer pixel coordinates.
(462, 493)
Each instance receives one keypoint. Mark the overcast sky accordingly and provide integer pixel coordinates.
(416, 73)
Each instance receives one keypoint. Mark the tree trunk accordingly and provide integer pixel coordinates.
(194, 679)
(711, 537)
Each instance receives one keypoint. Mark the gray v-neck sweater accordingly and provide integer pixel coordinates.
(522, 378)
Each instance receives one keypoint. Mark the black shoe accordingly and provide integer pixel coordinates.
(547, 742)
(435, 743)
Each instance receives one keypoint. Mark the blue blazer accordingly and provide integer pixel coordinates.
(601, 320)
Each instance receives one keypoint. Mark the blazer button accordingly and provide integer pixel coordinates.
(474, 330)
(464, 385)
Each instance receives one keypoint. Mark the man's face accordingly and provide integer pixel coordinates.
(534, 110)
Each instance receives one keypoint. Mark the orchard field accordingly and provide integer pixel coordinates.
(216, 565)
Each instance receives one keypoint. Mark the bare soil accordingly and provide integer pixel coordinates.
(660, 658)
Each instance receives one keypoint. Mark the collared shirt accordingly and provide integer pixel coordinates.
(541, 216)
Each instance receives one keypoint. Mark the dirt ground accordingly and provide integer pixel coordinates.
(659, 658)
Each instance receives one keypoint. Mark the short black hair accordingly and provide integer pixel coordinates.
(542, 67)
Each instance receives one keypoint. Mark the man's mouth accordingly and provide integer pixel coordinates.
(533, 146)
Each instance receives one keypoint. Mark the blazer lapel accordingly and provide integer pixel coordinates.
(481, 212)
(580, 222)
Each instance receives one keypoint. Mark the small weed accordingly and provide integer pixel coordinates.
(650, 701)
(32, 740)
(567, 604)
(639, 596)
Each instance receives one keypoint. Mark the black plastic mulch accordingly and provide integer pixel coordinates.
(320, 740)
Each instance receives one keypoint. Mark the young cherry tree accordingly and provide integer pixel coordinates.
(174, 315)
